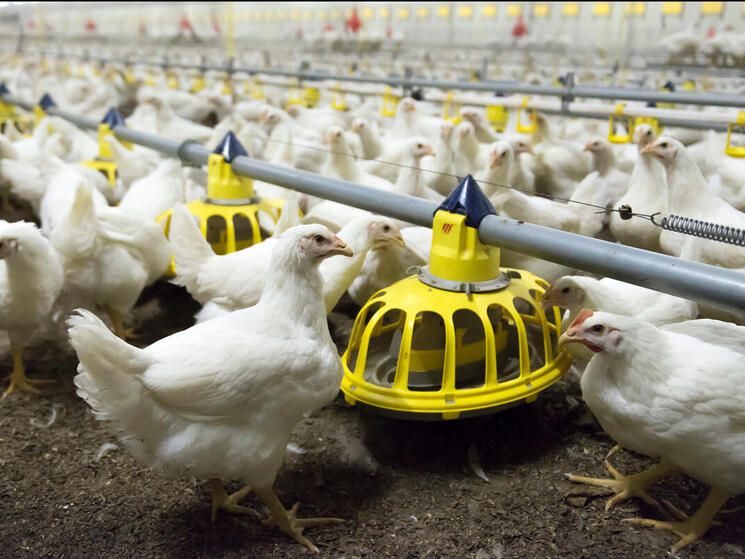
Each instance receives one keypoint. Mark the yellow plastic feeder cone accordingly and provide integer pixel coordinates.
(229, 217)
(461, 338)
(104, 162)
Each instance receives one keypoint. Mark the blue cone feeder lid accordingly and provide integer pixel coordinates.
(46, 101)
(3, 89)
(468, 199)
(669, 86)
(113, 118)
(230, 148)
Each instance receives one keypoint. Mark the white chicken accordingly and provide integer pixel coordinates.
(498, 171)
(605, 184)
(108, 256)
(30, 280)
(157, 192)
(689, 196)
(646, 194)
(560, 164)
(235, 281)
(219, 400)
(670, 396)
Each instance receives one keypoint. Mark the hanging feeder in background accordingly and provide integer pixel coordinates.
(8, 113)
(230, 216)
(459, 339)
(41, 108)
(105, 162)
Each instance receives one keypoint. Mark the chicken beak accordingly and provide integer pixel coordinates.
(494, 160)
(530, 150)
(588, 147)
(429, 150)
(546, 303)
(392, 238)
(340, 248)
(571, 336)
(649, 148)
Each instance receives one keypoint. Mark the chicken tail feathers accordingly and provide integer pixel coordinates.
(190, 249)
(289, 217)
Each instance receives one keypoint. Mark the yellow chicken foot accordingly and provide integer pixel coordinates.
(18, 377)
(287, 521)
(626, 487)
(691, 528)
(613, 450)
(221, 500)
(118, 322)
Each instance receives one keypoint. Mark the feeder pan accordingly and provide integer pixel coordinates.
(105, 162)
(8, 112)
(461, 338)
(41, 108)
(229, 217)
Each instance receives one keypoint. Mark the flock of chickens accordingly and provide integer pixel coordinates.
(220, 399)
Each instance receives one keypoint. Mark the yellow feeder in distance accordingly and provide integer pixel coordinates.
(228, 218)
(462, 338)
(105, 162)
(8, 112)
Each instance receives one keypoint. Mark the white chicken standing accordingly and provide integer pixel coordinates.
(220, 399)
(605, 184)
(108, 255)
(30, 280)
(646, 194)
(670, 396)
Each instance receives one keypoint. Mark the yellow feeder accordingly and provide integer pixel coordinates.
(462, 338)
(735, 151)
(619, 138)
(497, 117)
(390, 102)
(670, 88)
(294, 96)
(532, 126)
(8, 112)
(228, 218)
(652, 121)
(199, 83)
(104, 162)
(258, 89)
(338, 101)
(312, 96)
(172, 80)
(449, 105)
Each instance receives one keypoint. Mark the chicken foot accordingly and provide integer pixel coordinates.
(18, 377)
(626, 487)
(287, 520)
(690, 528)
(229, 503)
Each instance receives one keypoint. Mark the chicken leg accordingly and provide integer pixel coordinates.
(221, 500)
(287, 521)
(691, 528)
(18, 376)
(626, 487)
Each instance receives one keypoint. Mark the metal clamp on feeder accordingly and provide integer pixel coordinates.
(735, 151)
(620, 138)
(104, 162)
(230, 218)
(532, 116)
(464, 337)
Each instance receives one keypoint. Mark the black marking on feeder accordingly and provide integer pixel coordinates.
(230, 148)
(669, 86)
(3, 89)
(113, 118)
(469, 200)
(46, 102)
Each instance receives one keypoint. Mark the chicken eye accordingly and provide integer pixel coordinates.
(566, 290)
(320, 239)
(419, 145)
(598, 328)
(386, 228)
(663, 144)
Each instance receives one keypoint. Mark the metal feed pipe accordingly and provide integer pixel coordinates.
(568, 91)
(721, 287)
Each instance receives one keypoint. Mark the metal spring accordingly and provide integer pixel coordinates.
(704, 229)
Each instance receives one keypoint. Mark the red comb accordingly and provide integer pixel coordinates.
(583, 315)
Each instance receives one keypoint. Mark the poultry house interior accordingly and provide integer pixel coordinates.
(372, 279)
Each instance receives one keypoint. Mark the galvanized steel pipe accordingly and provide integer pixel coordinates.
(718, 286)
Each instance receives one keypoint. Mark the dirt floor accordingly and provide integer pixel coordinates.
(404, 488)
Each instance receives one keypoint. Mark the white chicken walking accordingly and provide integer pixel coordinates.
(30, 280)
(220, 399)
(671, 396)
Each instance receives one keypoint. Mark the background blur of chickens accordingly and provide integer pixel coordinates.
(72, 239)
